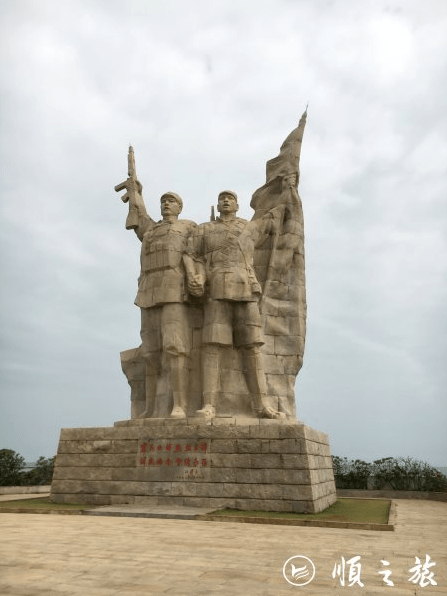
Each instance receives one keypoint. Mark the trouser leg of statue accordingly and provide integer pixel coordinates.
(210, 380)
(179, 375)
(150, 353)
(165, 347)
(255, 378)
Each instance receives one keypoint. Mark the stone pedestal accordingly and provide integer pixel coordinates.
(229, 462)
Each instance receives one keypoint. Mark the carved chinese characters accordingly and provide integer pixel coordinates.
(162, 459)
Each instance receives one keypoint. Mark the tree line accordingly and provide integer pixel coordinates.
(401, 473)
(393, 473)
(13, 473)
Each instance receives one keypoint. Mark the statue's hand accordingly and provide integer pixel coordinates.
(196, 286)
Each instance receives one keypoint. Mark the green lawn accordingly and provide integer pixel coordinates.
(372, 511)
(369, 511)
(41, 503)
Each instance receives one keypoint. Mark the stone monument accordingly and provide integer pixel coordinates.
(223, 321)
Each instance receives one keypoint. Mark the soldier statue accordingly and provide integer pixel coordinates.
(162, 297)
(223, 304)
(221, 258)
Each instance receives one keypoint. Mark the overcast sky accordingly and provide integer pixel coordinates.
(206, 91)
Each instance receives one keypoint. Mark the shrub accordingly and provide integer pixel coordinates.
(401, 473)
(42, 473)
(406, 473)
(351, 473)
(11, 466)
(12, 474)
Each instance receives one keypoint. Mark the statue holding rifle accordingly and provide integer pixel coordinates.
(223, 304)
(162, 295)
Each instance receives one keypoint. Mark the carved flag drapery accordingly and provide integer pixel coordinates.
(279, 266)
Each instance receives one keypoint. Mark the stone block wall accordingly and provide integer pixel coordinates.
(242, 464)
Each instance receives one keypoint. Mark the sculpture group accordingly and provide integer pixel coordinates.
(223, 308)
(223, 319)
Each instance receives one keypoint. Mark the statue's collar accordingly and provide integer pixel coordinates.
(226, 221)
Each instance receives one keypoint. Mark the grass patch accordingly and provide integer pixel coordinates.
(42, 503)
(365, 511)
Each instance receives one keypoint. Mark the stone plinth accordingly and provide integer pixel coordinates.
(231, 462)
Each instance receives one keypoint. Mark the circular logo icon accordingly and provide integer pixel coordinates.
(298, 570)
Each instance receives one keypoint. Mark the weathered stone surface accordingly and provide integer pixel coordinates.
(248, 446)
(284, 446)
(184, 489)
(84, 473)
(231, 460)
(273, 364)
(314, 435)
(123, 446)
(227, 432)
(135, 370)
(264, 432)
(122, 499)
(291, 431)
(97, 433)
(171, 500)
(245, 421)
(81, 498)
(294, 461)
(317, 448)
(241, 466)
(322, 489)
(273, 476)
(224, 446)
(145, 501)
(218, 503)
(97, 446)
(321, 475)
(96, 460)
(124, 474)
(286, 345)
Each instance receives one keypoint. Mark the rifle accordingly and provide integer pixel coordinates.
(133, 195)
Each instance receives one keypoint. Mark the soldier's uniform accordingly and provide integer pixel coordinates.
(226, 249)
(161, 286)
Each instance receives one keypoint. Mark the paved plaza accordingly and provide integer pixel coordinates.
(49, 555)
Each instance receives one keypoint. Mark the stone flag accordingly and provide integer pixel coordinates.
(279, 266)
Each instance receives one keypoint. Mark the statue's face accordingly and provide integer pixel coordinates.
(169, 206)
(227, 203)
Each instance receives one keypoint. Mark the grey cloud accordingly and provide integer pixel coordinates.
(206, 94)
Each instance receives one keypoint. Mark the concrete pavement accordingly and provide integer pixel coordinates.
(52, 555)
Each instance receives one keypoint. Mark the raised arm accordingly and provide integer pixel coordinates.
(137, 218)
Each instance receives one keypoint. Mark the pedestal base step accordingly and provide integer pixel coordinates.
(260, 465)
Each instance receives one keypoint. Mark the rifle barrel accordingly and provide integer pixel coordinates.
(131, 163)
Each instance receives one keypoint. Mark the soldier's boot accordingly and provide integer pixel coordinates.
(179, 380)
(210, 380)
(209, 408)
(178, 412)
(257, 385)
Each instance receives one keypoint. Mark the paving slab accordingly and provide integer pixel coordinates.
(19, 497)
(56, 555)
(155, 511)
